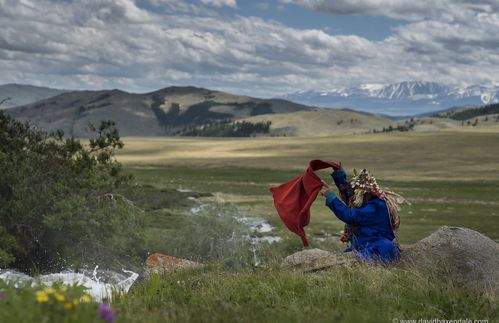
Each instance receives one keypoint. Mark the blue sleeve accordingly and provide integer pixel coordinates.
(330, 198)
(365, 215)
(340, 180)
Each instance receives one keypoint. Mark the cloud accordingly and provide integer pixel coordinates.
(117, 44)
(221, 3)
(263, 5)
(398, 9)
(199, 7)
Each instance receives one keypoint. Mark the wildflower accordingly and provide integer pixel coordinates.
(2, 295)
(85, 298)
(106, 313)
(41, 297)
(68, 305)
(75, 302)
(63, 289)
(59, 297)
(49, 290)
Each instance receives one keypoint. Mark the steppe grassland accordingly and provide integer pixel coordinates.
(451, 177)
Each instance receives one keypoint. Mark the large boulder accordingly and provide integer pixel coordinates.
(468, 256)
(315, 259)
(159, 263)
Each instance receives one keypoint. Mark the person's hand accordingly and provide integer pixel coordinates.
(325, 190)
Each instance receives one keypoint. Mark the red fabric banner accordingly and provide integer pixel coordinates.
(293, 199)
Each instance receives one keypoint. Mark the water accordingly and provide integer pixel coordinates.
(100, 284)
(255, 225)
(267, 239)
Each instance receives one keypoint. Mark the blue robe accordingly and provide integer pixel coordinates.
(372, 234)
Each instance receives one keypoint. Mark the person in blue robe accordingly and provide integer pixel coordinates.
(370, 216)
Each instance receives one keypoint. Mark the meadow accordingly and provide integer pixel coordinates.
(450, 177)
(195, 190)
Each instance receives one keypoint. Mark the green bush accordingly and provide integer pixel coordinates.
(58, 201)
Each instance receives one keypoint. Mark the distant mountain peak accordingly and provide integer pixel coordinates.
(413, 90)
(402, 98)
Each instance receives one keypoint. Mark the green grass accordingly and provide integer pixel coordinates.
(360, 294)
(364, 294)
(272, 294)
(46, 304)
(471, 203)
(230, 289)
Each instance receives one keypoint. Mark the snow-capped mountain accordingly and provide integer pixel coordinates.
(412, 91)
(404, 98)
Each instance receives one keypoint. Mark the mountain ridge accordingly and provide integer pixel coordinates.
(22, 94)
(399, 99)
(158, 113)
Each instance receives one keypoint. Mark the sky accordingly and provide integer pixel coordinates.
(259, 48)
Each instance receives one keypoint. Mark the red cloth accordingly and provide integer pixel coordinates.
(293, 199)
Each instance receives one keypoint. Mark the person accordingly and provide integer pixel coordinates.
(371, 215)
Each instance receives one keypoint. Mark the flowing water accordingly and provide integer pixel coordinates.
(255, 225)
(100, 284)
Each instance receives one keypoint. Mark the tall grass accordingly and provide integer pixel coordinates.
(342, 294)
(215, 293)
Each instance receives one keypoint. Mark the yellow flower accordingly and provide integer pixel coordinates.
(41, 297)
(68, 305)
(59, 297)
(49, 290)
(75, 301)
(63, 289)
(85, 298)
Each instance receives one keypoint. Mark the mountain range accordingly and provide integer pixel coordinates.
(159, 113)
(398, 99)
(178, 110)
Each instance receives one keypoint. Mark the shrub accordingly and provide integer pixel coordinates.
(58, 201)
(227, 128)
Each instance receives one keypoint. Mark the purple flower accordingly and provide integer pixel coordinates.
(2, 295)
(106, 313)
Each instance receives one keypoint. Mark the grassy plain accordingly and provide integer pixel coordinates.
(461, 155)
(451, 178)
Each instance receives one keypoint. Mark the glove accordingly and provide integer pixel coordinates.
(339, 177)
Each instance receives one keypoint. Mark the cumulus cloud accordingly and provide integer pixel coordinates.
(118, 44)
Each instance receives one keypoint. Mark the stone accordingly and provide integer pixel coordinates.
(467, 255)
(159, 263)
(315, 259)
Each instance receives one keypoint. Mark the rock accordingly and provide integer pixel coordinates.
(158, 263)
(468, 256)
(315, 259)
